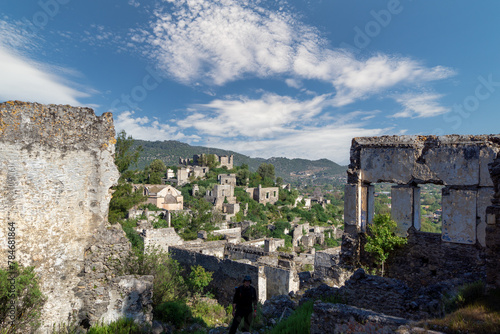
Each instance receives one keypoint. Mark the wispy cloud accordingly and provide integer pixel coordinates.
(26, 79)
(219, 41)
(146, 128)
(420, 105)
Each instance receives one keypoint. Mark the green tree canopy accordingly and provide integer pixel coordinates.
(266, 171)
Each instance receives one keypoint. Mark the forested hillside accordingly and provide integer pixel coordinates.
(291, 170)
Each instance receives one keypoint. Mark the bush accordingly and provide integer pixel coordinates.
(26, 296)
(381, 240)
(168, 283)
(121, 326)
(467, 294)
(199, 279)
(175, 312)
(212, 314)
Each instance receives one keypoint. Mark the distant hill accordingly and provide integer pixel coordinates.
(169, 151)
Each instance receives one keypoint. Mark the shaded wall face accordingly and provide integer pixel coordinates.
(56, 169)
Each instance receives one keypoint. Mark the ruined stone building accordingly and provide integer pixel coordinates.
(229, 179)
(219, 194)
(163, 196)
(56, 170)
(223, 160)
(460, 164)
(264, 195)
(184, 173)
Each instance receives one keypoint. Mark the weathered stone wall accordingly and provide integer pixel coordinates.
(324, 261)
(339, 318)
(460, 163)
(161, 238)
(280, 281)
(56, 169)
(426, 260)
(493, 228)
(227, 274)
(106, 296)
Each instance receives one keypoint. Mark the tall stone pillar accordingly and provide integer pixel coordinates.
(367, 205)
(405, 208)
(459, 216)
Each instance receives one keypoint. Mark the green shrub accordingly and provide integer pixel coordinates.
(212, 314)
(175, 312)
(198, 279)
(121, 326)
(381, 240)
(168, 283)
(19, 287)
(467, 295)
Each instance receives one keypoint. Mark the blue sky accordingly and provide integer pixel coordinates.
(296, 78)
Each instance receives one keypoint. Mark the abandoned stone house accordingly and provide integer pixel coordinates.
(223, 160)
(460, 164)
(185, 173)
(163, 196)
(229, 179)
(264, 195)
(219, 194)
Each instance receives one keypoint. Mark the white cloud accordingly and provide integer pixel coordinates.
(225, 40)
(420, 105)
(271, 126)
(27, 80)
(147, 129)
(134, 3)
(266, 117)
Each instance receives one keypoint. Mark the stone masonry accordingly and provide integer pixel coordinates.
(56, 170)
(460, 163)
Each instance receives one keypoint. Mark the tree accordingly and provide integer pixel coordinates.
(157, 166)
(242, 177)
(124, 157)
(266, 171)
(381, 240)
(124, 197)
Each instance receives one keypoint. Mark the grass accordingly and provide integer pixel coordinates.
(298, 323)
(477, 313)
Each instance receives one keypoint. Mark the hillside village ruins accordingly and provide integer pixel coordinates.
(57, 168)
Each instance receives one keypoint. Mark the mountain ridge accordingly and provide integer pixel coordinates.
(169, 151)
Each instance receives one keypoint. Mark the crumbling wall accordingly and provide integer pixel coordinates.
(56, 169)
(280, 281)
(460, 163)
(227, 274)
(493, 228)
(161, 238)
(324, 261)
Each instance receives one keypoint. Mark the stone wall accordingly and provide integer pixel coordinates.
(325, 261)
(56, 170)
(227, 274)
(493, 228)
(460, 163)
(102, 292)
(161, 238)
(425, 260)
(280, 281)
